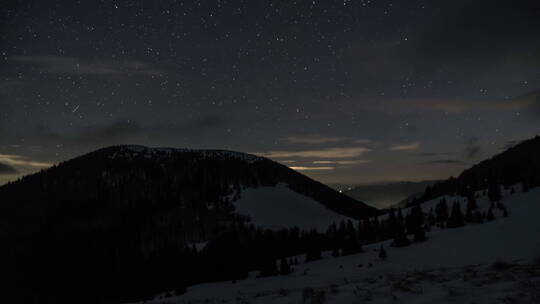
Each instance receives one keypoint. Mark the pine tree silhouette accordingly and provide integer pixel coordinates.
(490, 215)
(469, 216)
(382, 253)
(313, 255)
(269, 268)
(432, 220)
(494, 191)
(456, 218)
(471, 207)
(350, 243)
(420, 235)
(442, 211)
(284, 267)
(477, 217)
(400, 239)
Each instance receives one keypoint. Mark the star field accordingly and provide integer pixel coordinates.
(346, 91)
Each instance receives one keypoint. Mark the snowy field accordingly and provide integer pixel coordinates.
(494, 262)
(280, 207)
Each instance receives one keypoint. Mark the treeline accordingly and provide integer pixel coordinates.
(244, 248)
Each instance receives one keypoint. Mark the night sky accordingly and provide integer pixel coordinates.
(345, 91)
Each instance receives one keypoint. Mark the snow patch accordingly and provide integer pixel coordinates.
(280, 207)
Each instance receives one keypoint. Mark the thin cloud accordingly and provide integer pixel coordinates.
(434, 154)
(444, 162)
(342, 162)
(300, 168)
(7, 169)
(312, 140)
(456, 106)
(472, 147)
(95, 135)
(315, 140)
(346, 152)
(209, 122)
(362, 141)
(75, 66)
(19, 160)
(406, 147)
(287, 161)
(322, 162)
(532, 101)
(10, 83)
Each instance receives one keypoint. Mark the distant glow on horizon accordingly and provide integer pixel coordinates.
(300, 168)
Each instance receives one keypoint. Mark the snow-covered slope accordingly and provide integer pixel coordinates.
(495, 262)
(280, 207)
(482, 201)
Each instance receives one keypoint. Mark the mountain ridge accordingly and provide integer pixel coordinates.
(517, 164)
(117, 215)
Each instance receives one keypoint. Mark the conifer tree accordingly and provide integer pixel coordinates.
(456, 218)
(442, 211)
(400, 216)
(359, 231)
(469, 216)
(284, 267)
(391, 223)
(400, 239)
(420, 235)
(341, 234)
(313, 255)
(369, 234)
(471, 201)
(490, 216)
(494, 191)
(350, 244)
(382, 253)
(431, 218)
(478, 217)
(417, 216)
(269, 268)
(471, 206)
(376, 229)
(409, 223)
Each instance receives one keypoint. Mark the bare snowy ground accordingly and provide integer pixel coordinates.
(280, 207)
(495, 262)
